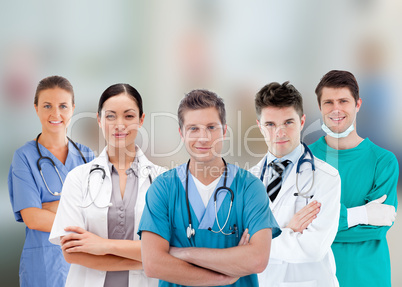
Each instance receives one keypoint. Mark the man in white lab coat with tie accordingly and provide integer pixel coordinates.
(305, 204)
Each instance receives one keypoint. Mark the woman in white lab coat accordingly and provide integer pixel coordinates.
(97, 220)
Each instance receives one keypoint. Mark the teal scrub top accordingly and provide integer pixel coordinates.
(367, 172)
(165, 213)
(42, 264)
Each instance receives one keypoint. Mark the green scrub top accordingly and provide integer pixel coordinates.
(367, 172)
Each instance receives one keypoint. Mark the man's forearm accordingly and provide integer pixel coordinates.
(158, 263)
(177, 271)
(237, 261)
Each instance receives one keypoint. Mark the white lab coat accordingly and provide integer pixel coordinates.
(304, 259)
(71, 213)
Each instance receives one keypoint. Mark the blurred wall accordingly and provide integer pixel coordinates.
(167, 48)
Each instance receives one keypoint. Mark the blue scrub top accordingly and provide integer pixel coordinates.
(165, 213)
(42, 263)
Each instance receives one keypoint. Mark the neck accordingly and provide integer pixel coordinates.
(53, 140)
(121, 158)
(351, 141)
(207, 172)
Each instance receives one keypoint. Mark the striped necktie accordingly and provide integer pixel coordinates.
(276, 181)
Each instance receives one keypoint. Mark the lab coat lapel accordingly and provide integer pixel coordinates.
(104, 198)
(144, 166)
(101, 194)
(289, 186)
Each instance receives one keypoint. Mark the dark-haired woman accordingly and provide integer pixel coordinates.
(35, 182)
(97, 220)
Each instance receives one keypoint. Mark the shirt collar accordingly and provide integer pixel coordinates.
(292, 156)
(132, 169)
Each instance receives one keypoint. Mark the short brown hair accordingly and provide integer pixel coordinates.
(338, 79)
(280, 96)
(201, 99)
(51, 83)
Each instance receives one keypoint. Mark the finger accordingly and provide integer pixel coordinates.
(71, 244)
(308, 222)
(308, 215)
(308, 218)
(308, 208)
(380, 199)
(243, 239)
(70, 236)
(75, 229)
(74, 249)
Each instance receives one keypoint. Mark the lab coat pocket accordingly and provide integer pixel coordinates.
(312, 283)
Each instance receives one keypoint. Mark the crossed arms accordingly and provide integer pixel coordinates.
(194, 266)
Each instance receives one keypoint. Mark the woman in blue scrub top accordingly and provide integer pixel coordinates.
(35, 185)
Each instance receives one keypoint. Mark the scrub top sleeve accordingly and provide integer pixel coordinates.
(385, 182)
(155, 217)
(22, 186)
(257, 213)
(69, 213)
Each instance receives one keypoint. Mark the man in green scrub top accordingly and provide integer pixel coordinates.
(369, 176)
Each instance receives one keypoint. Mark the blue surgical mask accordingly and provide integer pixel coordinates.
(337, 135)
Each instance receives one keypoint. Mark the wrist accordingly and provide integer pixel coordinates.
(357, 215)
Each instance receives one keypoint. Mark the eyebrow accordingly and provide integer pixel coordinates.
(48, 103)
(208, 124)
(269, 122)
(126, 111)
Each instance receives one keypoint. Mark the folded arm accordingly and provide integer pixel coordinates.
(87, 249)
(313, 243)
(385, 183)
(237, 261)
(38, 219)
(158, 263)
(102, 262)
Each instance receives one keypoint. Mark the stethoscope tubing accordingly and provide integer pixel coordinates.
(301, 160)
(41, 157)
(190, 230)
(101, 169)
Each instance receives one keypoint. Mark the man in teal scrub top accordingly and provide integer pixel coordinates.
(369, 176)
(194, 225)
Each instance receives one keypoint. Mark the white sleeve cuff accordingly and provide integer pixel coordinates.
(357, 215)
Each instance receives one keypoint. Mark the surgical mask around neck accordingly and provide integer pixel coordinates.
(338, 135)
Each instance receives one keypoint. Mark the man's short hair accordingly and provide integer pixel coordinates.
(338, 79)
(201, 99)
(279, 96)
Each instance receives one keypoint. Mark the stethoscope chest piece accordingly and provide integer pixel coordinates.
(190, 231)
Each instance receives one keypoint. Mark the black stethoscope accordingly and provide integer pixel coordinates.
(98, 168)
(302, 159)
(190, 230)
(41, 157)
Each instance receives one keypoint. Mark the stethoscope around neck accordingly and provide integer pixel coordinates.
(302, 159)
(101, 169)
(190, 231)
(41, 157)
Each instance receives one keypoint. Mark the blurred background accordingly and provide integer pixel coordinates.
(167, 48)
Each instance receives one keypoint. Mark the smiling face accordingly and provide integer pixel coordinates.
(203, 135)
(281, 129)
(338, 108)
(54, 109)
(120, 120)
